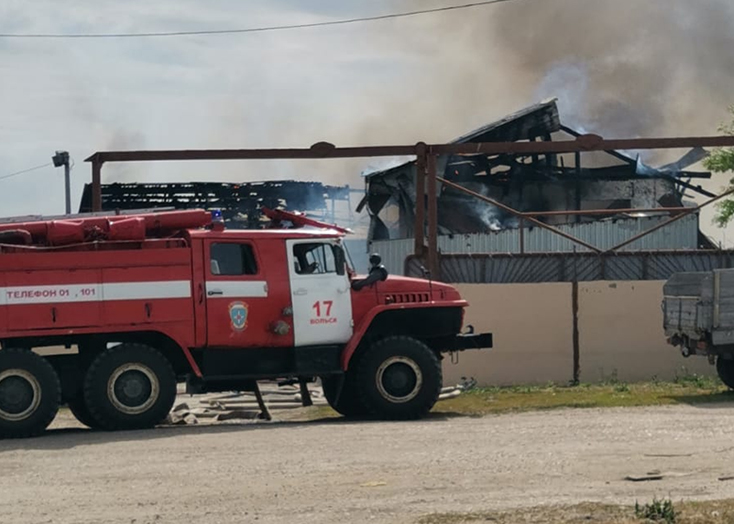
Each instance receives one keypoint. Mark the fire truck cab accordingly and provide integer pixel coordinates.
(155, 299)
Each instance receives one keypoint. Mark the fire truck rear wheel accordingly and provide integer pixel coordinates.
(399, 378)
(725, 370)
(348, 403)
(130, 386)
(30, 393)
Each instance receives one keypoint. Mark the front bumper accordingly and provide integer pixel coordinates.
(469, 341)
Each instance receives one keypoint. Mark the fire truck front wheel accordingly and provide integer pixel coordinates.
(30, 393)
(129, 386)
(345, 402)
(399, 378)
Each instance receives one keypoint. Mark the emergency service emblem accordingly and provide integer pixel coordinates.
(238, 315)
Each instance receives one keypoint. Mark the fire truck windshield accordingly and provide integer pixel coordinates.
(348, 259)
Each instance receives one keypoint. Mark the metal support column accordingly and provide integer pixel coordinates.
(432, 198)
(67, 187)
(577, 203)
(575, 318)
(420, 198)
(575, 335)
(61, 158)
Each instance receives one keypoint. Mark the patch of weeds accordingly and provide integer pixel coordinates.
(612, 380)
(657, 511)
(526, 389)
(697, 381)
(622, 388)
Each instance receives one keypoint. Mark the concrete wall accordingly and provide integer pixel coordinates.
(620, 334)
(621, 331)
(532, 327)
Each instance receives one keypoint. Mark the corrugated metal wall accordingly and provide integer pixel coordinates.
(564, 267)
(682, 234)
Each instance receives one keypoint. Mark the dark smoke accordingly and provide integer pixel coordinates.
(620, 68)
(625, 67)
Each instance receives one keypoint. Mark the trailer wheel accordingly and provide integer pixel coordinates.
(399, 378)
(348, 403)
(79, 409)
(725, 369)
(130, 386)
(30, 393)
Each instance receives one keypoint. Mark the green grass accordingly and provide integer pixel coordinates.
(689, 389)
(657, 511)
(663, 512)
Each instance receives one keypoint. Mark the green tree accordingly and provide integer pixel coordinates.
(722, 161)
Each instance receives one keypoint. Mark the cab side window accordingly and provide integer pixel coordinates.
(232, 259)
(314, 259)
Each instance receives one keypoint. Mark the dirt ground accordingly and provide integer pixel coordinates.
(333, 471)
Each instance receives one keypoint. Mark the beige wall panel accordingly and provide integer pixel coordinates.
(621, 333)
(532, 326)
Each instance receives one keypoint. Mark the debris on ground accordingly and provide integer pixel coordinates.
(652, 475)
(243, 405)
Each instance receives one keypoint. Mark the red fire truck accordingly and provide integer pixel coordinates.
(154, 299)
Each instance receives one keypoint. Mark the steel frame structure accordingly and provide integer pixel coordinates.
(427, 179)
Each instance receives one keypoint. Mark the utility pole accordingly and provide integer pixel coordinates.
(61, 158)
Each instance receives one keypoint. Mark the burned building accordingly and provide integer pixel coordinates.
(605, 180)
(545, 184)
(240, 204)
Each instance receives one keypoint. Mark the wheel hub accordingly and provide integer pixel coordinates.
(399, 379)
(133, 388)
(20, 394)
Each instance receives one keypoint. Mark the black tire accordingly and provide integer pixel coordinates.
(725, 369)
(399, 378)
(130, 386)
(348, 403)
(30, 393)
(79, 409)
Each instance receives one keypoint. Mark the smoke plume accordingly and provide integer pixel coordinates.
(620, 68)
(625, 67)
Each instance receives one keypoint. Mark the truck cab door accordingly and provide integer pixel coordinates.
(320, 292)
(237, 295)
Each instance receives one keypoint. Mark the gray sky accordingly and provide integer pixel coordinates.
(431, 77)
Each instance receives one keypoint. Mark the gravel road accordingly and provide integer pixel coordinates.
(333, 471)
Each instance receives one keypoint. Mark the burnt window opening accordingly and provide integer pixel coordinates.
(232, 259)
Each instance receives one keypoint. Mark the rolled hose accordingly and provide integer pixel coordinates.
(16, 236)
